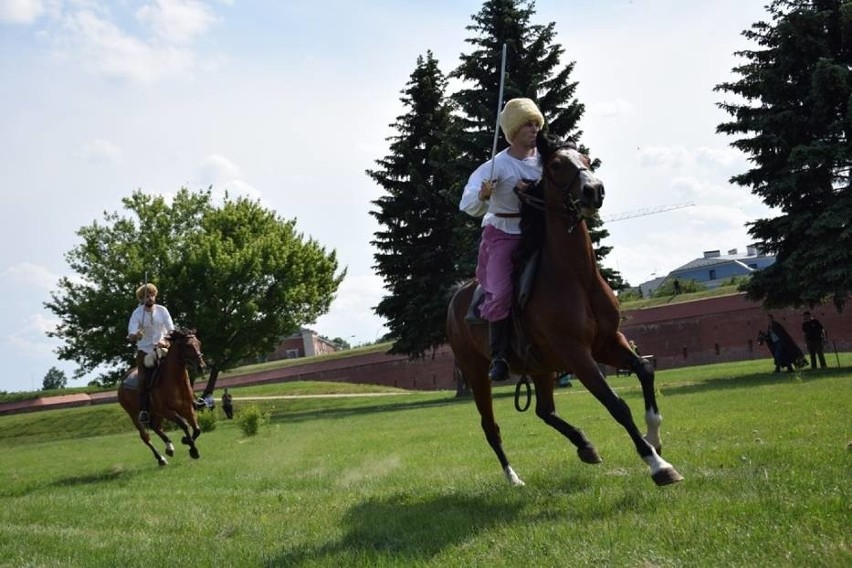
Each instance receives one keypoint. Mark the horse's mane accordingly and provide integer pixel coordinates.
(532, 218)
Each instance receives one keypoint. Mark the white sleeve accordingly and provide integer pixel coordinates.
(470, 202)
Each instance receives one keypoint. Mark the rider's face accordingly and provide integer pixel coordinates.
(150, 299)
(526, 134)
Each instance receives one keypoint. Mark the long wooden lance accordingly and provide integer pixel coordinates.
(499, 108)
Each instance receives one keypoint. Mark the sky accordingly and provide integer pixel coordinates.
(289, 102)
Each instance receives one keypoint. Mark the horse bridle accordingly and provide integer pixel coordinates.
(570, 207)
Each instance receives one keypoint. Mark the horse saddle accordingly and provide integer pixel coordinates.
(523, 291)
(153, 358)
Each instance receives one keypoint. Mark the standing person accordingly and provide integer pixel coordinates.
(815, 338)
(489, 193)
(227, 404)
(149, 325)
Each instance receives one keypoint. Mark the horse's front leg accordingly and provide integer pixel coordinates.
(662, 472)
(545, 408)
(644, 370)
(158, 430)
(188, 439)
(146, 439)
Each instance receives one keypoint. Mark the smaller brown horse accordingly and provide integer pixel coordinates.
(171, 395)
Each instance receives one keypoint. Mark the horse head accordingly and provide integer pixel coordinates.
(567, 172)
(188, 346)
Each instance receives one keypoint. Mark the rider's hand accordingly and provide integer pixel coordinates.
(485, 190)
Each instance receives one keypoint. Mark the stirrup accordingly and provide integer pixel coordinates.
(499, 370)
(144, 417)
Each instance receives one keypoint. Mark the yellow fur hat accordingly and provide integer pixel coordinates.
(516, 113)
(145, 289)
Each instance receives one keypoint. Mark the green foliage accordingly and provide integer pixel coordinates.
(250, 418)
(667, 288)
(794, 124)
(54, 379)
(239, 274)
(207, 420)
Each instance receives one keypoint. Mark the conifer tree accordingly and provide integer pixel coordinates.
(418, 214)
(793, 120)
(533, 70)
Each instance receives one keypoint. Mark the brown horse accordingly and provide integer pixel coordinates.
(171, 395)
(570, 321)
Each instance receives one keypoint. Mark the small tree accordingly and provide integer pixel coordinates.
(54, 379)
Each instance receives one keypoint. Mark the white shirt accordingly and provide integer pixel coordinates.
(155, 325)
(508, 171)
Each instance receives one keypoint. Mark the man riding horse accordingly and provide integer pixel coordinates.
(490, 193)
(149, 325)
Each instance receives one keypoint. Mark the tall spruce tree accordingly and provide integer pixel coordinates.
(794, 125)
(418, 214)
(533, 70)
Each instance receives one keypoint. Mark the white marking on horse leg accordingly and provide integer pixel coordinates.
(653, 420)
(170, 449)
(512, 477)
(656, 463)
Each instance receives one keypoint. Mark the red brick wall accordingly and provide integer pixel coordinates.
(722, 329)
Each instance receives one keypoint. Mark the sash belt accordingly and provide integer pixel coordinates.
(507, 215)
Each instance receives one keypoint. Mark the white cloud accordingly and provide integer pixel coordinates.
(351, 315)
(27, 275)
(100, 152)
(105, 49)
(20, 11)
(177, 21)
(30, 338)
(224, 175)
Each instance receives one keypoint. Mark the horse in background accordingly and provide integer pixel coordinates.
(570, 321)
(171, 395)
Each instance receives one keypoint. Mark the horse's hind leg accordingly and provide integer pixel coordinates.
(480, 384)
(545, 408)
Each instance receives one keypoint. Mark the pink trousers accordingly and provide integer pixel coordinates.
(494, 272)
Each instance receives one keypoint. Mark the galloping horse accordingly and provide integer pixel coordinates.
(570, 321)
(171, 395)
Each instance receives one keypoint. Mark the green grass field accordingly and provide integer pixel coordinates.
(409, 480)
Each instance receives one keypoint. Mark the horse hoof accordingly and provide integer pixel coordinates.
(666, 476)
(193, 453)
(589, 455)
(162, 462)
(170, 452)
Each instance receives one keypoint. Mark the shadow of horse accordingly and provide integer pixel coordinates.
(408, 528)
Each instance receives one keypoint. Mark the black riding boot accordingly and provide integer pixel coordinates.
(499, 333)
(144, 400)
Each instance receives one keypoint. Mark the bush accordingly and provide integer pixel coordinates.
(250, 418)
(207, 420)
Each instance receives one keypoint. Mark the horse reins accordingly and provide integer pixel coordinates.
(570, 209)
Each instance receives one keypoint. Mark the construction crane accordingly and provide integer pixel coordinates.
(646, 211)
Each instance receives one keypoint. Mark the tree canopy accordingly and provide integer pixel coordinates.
(54, 379)
(237, 273)
(793, 119)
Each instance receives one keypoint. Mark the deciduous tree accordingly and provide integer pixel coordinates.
(240, 274)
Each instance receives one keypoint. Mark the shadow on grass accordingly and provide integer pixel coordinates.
(104, 476)
(406, 529)
(754, 380)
